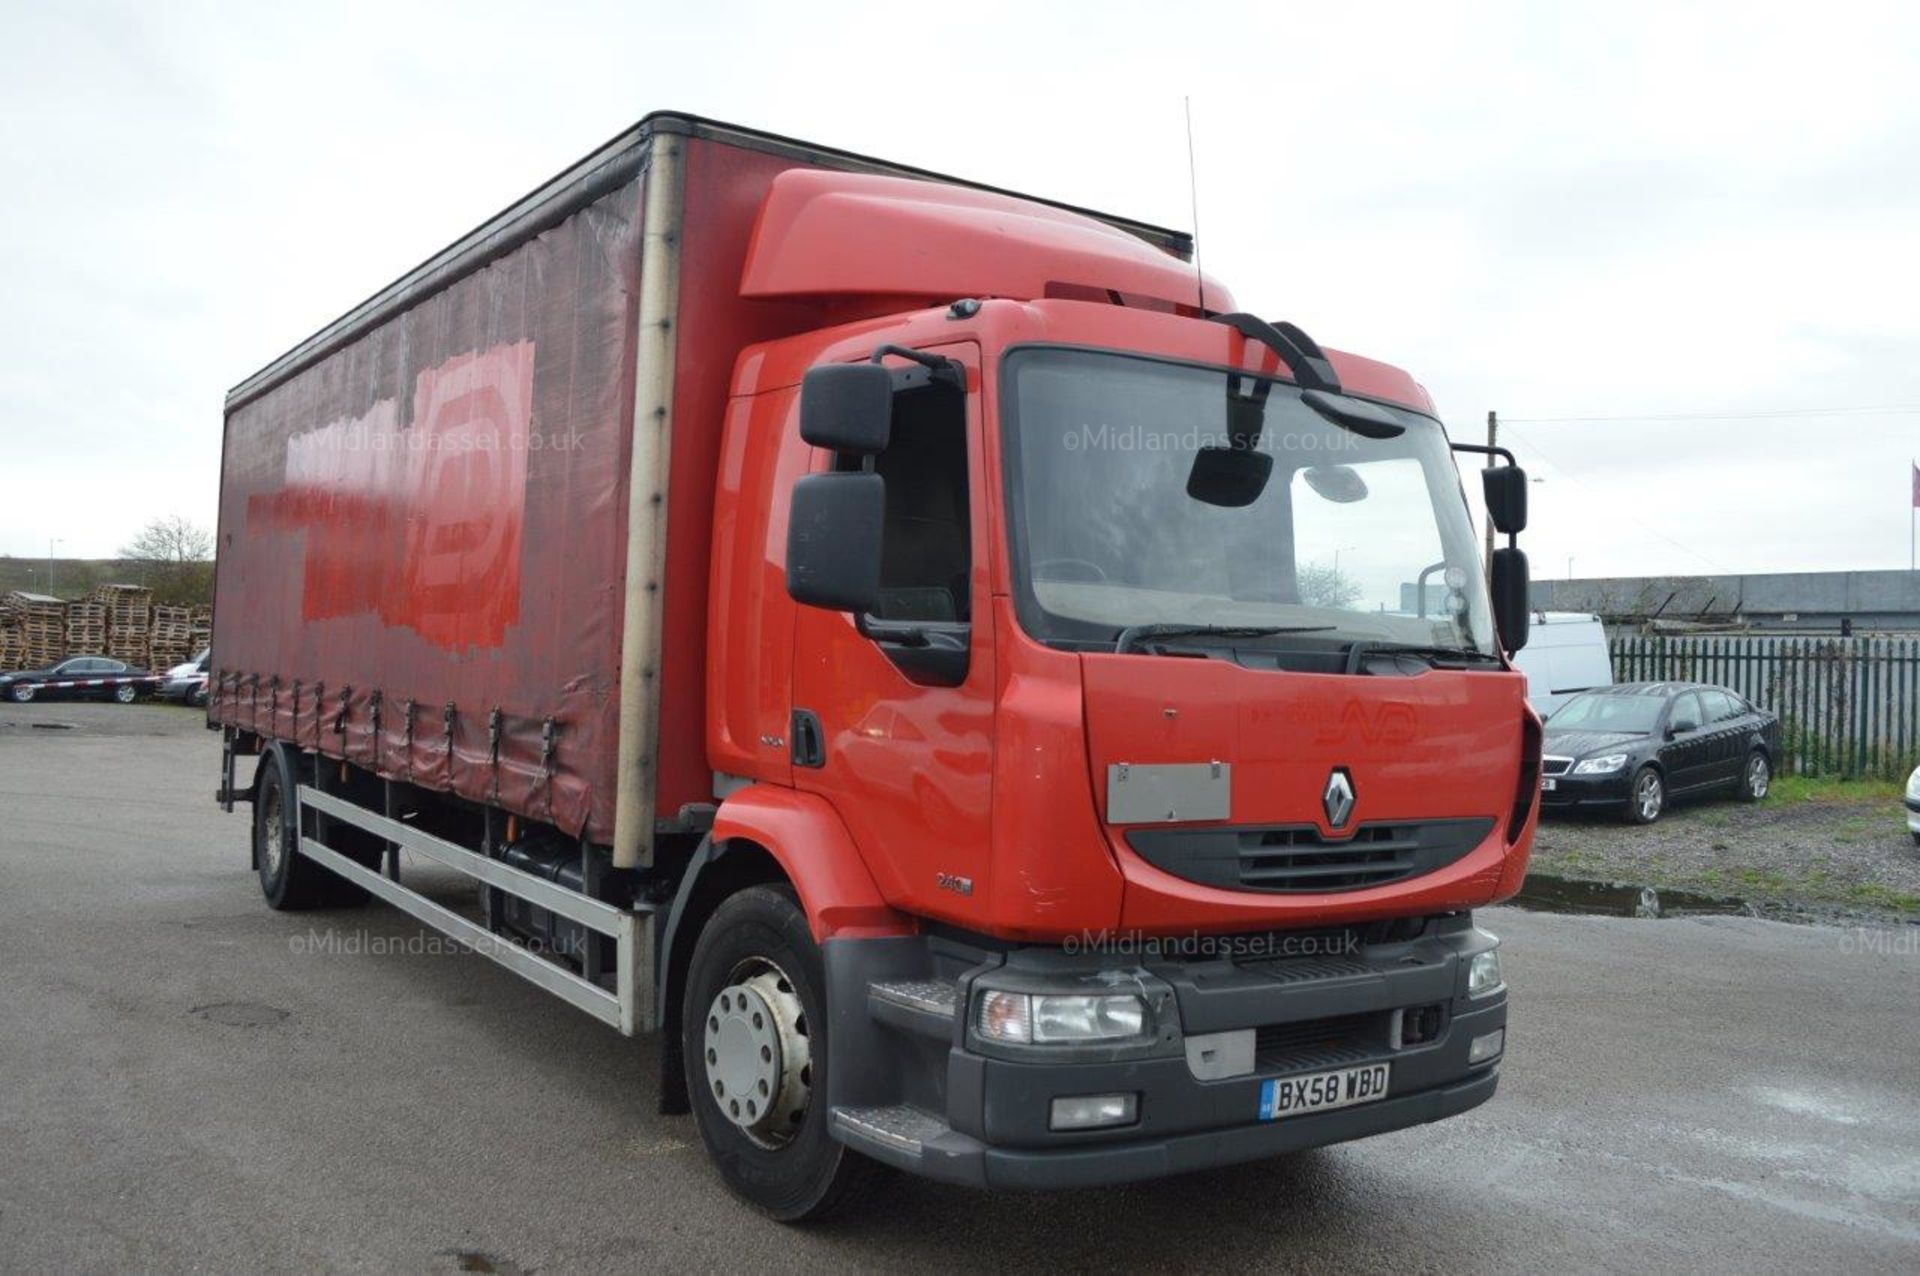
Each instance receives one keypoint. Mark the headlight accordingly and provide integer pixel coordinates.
(1601, 766)
(1051, 1019)
(1913, 785)
(1483, 974)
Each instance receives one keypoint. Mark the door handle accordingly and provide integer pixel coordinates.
(809, 739)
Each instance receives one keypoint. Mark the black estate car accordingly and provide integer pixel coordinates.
(81, 677)
(1634, 746)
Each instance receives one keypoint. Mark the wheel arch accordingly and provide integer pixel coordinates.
(761, 835)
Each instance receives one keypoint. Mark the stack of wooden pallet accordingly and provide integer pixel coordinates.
(202, 629)
(43, 628)
(13, 645)
(129, 620)
(172, 640)
(86, 627)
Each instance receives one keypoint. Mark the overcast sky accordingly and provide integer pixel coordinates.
(1642, 213)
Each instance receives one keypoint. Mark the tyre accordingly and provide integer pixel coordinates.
(126, 693)
(197, 697)
(1647, 797)
(1756, 777)
(290, 881)
(21, 693)
(1916, 840)
(753, 1035)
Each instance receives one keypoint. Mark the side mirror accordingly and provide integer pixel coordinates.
(1506, 491)
(847, 407)
(1509, 584)
(833, 541)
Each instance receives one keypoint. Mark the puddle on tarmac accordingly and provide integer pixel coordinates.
(1546, 894)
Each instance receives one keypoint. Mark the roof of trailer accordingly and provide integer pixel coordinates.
(603, 169)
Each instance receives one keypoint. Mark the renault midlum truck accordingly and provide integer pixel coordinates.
(923, 650)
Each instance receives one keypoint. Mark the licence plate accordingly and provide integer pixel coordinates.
(1319, 1091)
(1548, 784)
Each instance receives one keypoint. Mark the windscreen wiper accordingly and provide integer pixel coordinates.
(1438, 656)
(1132, 635)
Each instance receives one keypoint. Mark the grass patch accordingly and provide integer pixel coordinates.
(1824, 788)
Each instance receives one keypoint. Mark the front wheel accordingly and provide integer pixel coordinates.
(1647, 798)
(754, 1038)
(1756, 778)
(22, 693)
(126, 693)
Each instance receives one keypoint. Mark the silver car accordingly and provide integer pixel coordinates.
(187, 683)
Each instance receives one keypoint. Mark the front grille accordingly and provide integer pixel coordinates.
(1313, 1044)
(1555, 766)
(1299, 858)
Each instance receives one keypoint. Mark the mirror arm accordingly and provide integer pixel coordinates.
(938, 368)
(1483, 450)
(1311, 368)
(893, 632)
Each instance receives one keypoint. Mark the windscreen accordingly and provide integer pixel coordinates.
(1349, 536)
(1634, 715)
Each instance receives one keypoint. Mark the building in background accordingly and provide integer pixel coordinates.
(1775, 602)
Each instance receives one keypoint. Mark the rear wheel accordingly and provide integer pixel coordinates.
(754, 1038)
(1647, 798)
(290, 881)
(1756, 777)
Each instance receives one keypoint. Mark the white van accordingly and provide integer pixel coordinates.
(1566, 652)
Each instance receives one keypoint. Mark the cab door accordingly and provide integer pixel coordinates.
(896, 735)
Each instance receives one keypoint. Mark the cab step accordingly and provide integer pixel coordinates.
(897, 1130)
(923, 1006)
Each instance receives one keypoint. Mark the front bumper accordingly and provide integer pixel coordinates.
(1913, 815)
(960, 1110)
(1572, 792)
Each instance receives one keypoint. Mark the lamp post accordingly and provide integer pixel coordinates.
(51, 542)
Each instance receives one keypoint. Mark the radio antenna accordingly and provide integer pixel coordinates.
(1193, 196)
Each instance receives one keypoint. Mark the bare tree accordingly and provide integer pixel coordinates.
(1322, 585)
(173, 557)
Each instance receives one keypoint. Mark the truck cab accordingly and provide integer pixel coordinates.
(1070, 612)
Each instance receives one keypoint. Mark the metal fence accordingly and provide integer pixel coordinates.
(1848, 706)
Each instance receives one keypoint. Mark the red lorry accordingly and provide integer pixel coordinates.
(999, 710)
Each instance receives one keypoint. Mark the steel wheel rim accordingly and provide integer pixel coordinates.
(1758, 776)
(757, 1053)
(1649, 795)
(273, 838)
